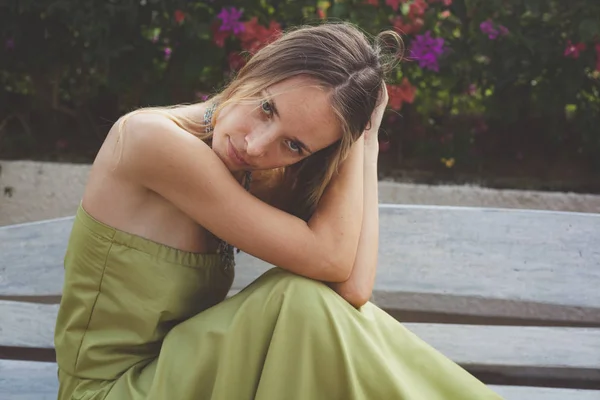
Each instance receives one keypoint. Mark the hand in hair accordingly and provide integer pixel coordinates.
(377, 115)
(371, 133)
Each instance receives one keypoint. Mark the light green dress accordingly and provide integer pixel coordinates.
(140, 320)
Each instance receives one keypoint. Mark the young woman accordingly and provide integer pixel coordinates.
(282, 164)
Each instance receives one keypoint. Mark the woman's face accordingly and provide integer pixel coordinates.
(293, 120)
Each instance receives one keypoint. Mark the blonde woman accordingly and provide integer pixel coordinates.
(282, 164)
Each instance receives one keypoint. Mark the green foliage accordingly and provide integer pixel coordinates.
(533, 84)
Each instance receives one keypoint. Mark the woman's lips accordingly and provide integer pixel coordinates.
(234, 155)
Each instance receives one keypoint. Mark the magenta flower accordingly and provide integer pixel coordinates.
(168, 52)
(426, 50)
(230, 20)
(573, 50)
(493, 31)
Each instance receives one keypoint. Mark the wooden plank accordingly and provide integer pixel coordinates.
(512, 354)
(26, 380)
(27, 324)
(543, 393)
(470, 264)
(539, 356)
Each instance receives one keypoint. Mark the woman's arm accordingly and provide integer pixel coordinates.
(158, 155)
(358, 288)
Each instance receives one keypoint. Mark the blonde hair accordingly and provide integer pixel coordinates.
(339, 58)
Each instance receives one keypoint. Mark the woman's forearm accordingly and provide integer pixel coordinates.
(359, 286)
(337, 220)
(357, 289)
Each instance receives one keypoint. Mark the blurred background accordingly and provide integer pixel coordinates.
(496, 104)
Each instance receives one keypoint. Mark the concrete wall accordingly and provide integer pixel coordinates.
(32, 191)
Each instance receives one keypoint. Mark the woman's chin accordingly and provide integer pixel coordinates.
(234, 169)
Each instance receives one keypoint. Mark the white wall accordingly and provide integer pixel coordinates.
(32, 191)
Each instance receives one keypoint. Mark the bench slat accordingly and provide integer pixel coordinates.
(533, 267)
(542, 393)
(26, 380)
(504, 353)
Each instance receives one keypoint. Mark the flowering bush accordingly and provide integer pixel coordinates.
(482, 79)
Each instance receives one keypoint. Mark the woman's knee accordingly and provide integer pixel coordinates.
(298, 295)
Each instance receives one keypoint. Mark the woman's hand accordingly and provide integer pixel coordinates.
(371, 134)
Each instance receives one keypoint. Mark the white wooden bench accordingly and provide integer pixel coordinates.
(513, 296)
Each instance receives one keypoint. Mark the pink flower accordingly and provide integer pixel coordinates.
(400, 94)
(407, 28)
(179, 16)
(256, 36)
(417, 9)
(167, 51)
(572, 50)
(395, 4)
(219, 35)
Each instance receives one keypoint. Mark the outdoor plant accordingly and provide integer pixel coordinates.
(482, 80)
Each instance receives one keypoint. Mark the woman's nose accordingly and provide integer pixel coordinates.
(257, 144)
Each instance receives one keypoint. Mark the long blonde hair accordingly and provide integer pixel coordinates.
(338, 57)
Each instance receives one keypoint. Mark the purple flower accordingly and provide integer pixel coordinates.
(489, 28)
(168, 52)
(230, 20)
(9, 44)
(426, 50)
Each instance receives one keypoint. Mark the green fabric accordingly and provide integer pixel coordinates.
(140, 320)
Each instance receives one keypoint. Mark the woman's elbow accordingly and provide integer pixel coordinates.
(357, 299)
(356, 296)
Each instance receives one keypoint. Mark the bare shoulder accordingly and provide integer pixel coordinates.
(149, 130)
(145, 142)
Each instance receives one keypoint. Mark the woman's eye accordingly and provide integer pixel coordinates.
(294, 146)
(266, 107)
